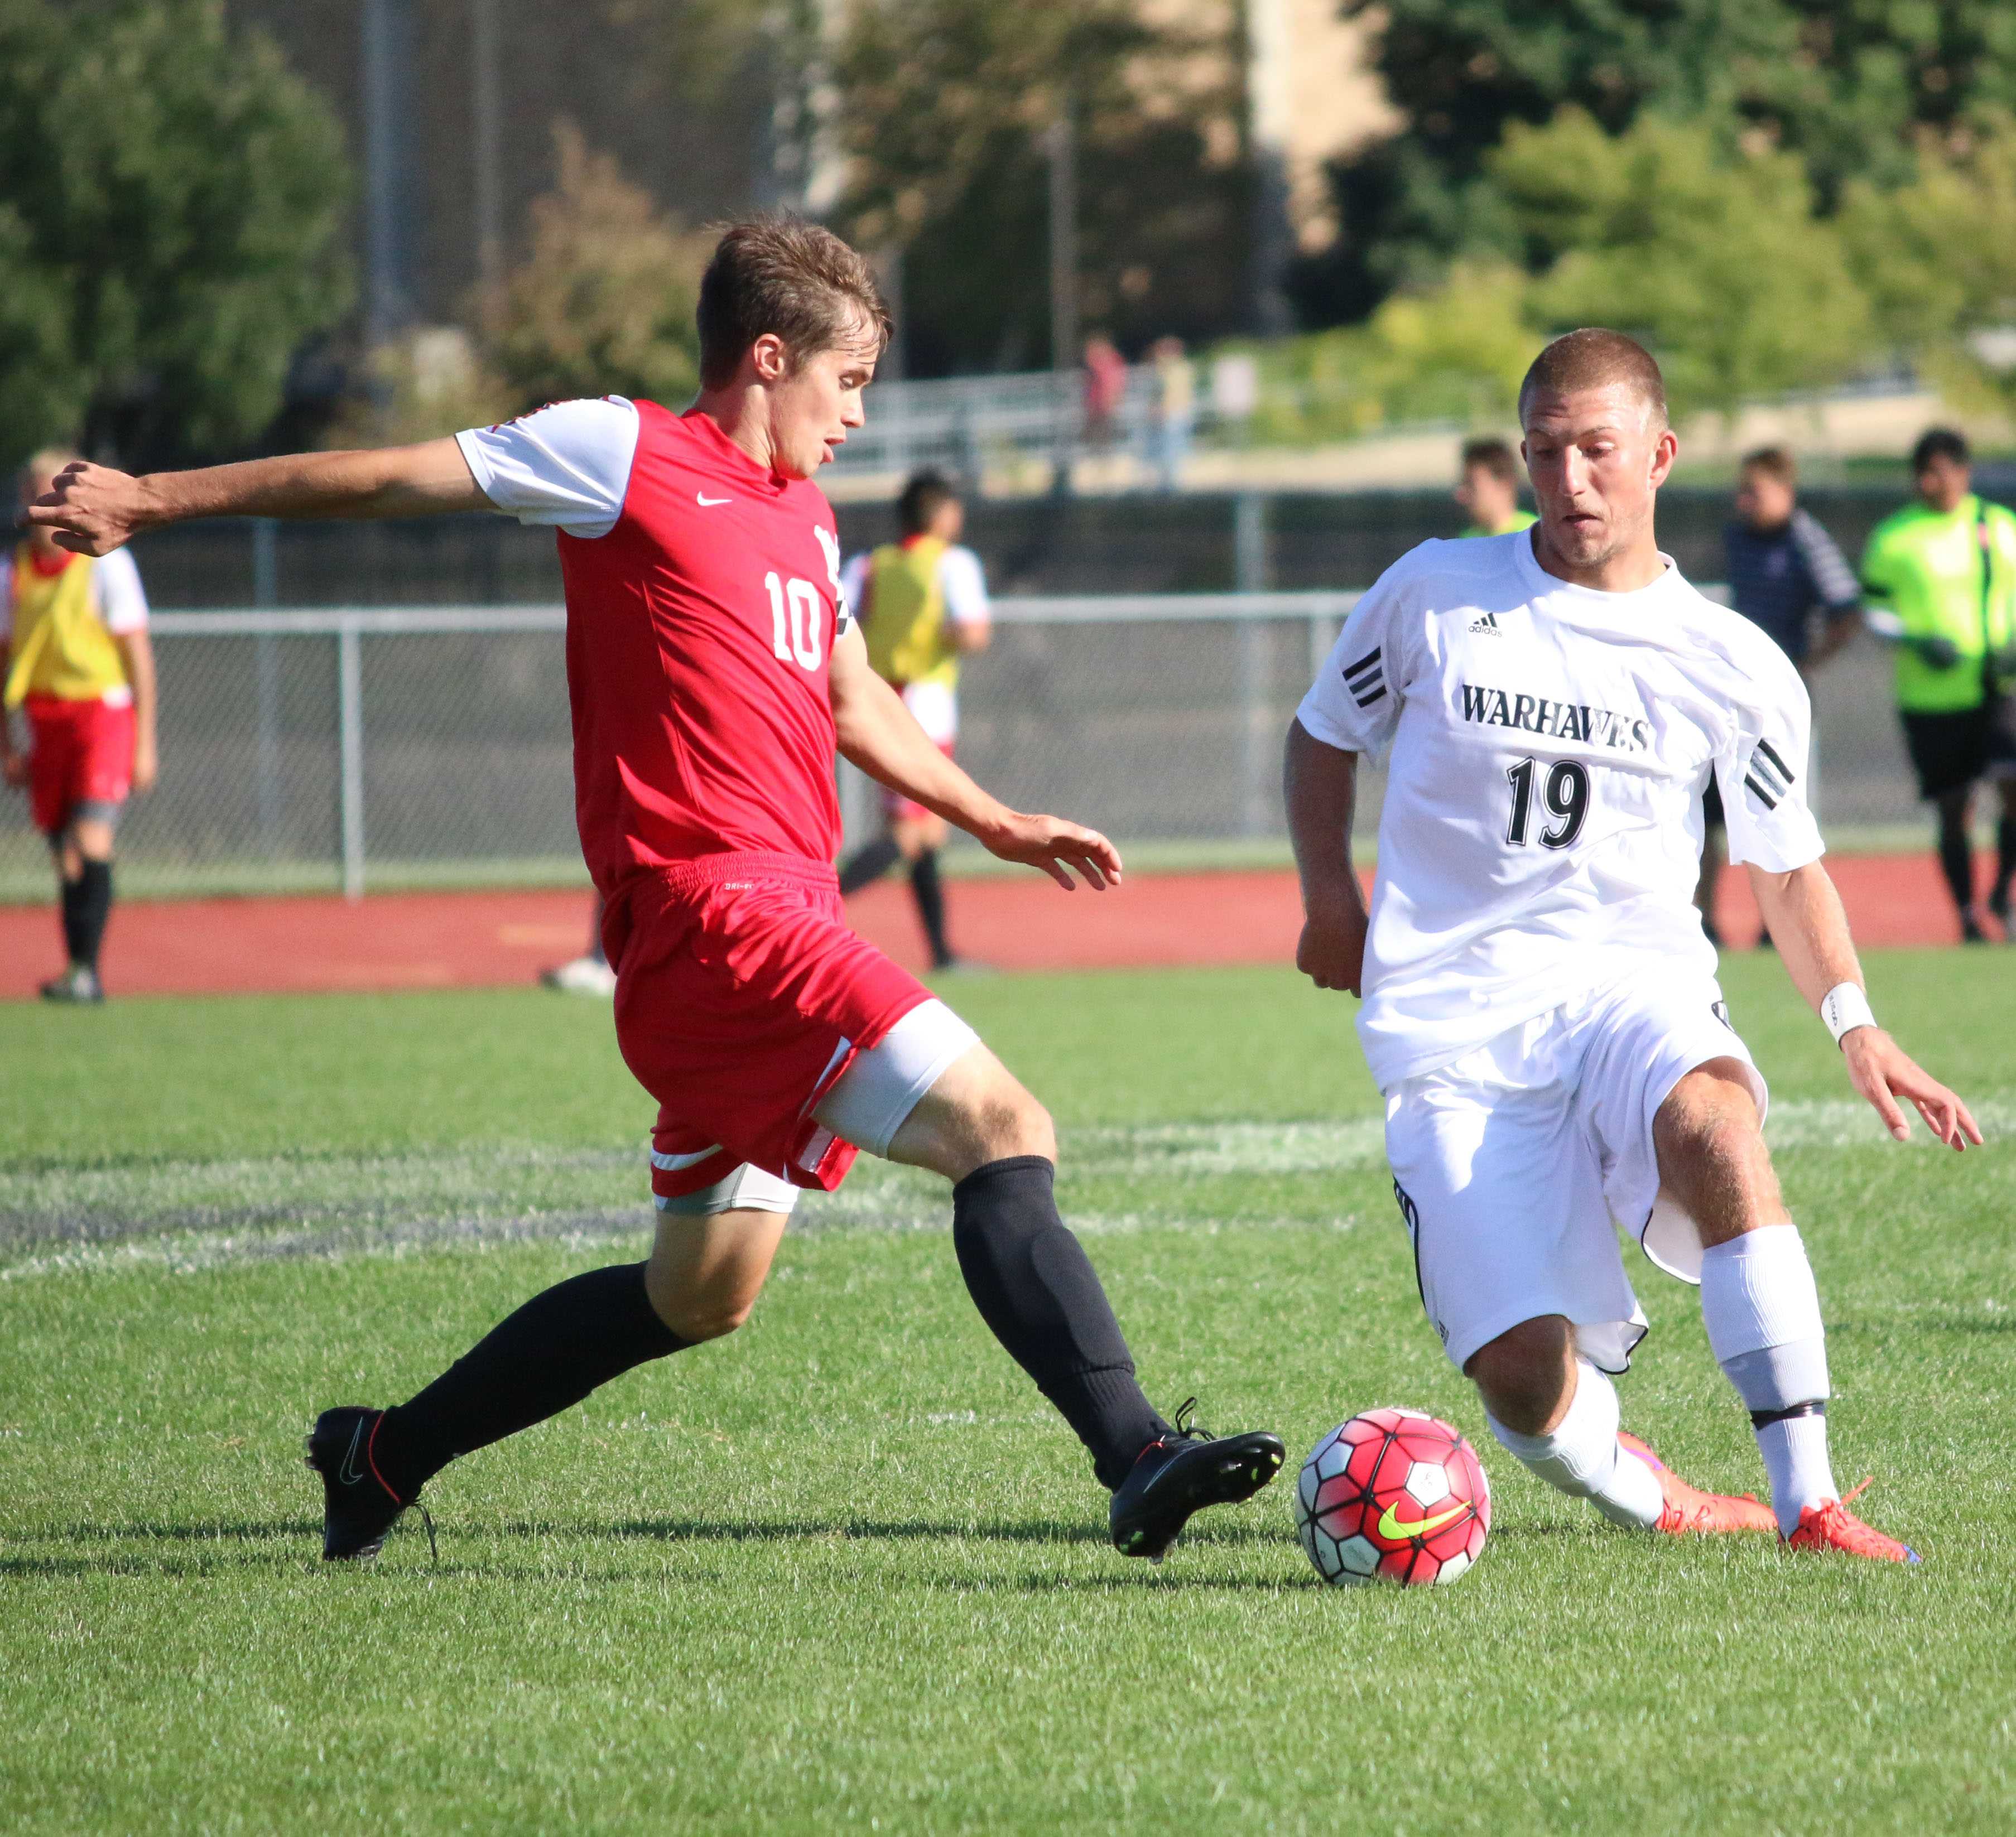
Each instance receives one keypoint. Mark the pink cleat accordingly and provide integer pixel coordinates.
(1830, 1525)
(1689, 1509)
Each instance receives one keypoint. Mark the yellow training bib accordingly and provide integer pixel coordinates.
(61, 647)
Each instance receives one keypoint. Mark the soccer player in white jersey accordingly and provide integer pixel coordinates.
(1540, 1006)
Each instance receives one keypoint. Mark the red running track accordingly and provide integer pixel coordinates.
(1014, 922)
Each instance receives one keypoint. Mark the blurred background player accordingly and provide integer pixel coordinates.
(590, 973)
(922, 604)
(76, 659)
(1939, 577)
(1783, 568)
(1105, 390)
(1175, 417)
(1488, 490)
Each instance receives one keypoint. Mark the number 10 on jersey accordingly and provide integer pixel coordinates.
(796, 613)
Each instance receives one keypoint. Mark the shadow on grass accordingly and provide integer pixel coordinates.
(291, 1545)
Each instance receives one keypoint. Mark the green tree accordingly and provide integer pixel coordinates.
(170, 232)
(603, 302)
(1717, 259)
(942, 107)
(1938, 259)
(1845, 86)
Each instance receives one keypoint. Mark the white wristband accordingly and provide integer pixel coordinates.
(1843, 1008)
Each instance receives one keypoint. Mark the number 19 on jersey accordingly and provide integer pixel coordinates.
(1565, 793)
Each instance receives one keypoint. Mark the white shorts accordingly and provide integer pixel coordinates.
(866, 1106)
(1514, 1164)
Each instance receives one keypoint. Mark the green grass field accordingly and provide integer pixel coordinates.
(843, 1570)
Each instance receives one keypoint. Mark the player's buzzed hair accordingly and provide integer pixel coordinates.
(781, 273)
(1595, 358)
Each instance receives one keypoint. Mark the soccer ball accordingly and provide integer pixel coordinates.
(1393, 1496)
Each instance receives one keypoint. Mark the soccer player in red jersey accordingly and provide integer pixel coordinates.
(713, 669)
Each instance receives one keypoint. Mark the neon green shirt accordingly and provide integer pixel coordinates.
(1945, 574)
(1519, 519)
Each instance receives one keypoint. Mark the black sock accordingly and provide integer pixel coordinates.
(544, 1359)
(69, 899)
(931, 904)
(2005, 858)
(1957, 859)
(1036, 1289)
(867, 864)
(87, 905)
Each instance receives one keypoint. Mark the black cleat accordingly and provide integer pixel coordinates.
(359, 1507)
(78, 987)
(1183, 1472)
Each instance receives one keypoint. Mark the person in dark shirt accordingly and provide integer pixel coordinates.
(1783, 569)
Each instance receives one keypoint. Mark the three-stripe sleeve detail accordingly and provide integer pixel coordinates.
(1366, 679)
(1768, 777)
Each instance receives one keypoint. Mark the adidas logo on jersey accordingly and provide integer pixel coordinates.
(1488, 622)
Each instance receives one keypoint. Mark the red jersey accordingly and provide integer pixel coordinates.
(701, 621)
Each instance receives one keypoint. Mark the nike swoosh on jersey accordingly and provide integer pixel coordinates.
(1389, 1525)
(702, 499)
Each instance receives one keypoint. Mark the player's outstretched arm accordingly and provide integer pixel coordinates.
(880, 735)
(1803, 913)
(94, 510)
(1320, 785)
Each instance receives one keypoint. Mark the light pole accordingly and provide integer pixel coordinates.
(1061, 143)
(486, 109)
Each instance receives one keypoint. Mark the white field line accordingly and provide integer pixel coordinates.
(189, 1216)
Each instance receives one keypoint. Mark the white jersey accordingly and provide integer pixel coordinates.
(1548, 744)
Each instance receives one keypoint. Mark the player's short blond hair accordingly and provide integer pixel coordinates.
(1595, 358)
(781, 273)
(46, 464)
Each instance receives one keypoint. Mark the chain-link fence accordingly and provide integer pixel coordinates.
(348, 747)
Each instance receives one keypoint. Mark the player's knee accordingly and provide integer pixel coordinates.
(1011, 1122)
(695, 1317)
(1710, 1117)
(92, 838)
(1522, 1375)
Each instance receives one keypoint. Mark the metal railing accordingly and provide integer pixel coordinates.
(349, 746)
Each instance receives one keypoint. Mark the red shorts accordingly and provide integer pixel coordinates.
(899, 809)
(741, 996)
(79, 753)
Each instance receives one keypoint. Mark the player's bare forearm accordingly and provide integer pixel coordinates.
(877, 733)
(13, 762)
(1804, 915)
(94, 510)
(137, 651)
(1319, 785)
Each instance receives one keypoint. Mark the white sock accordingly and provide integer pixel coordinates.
(1581, 1456)
(1763, 1317)
(1795, 1456)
